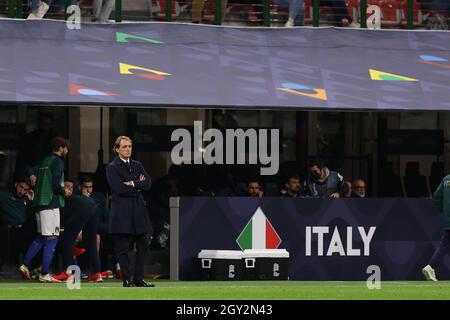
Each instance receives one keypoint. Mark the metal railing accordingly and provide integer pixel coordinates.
(15, 9)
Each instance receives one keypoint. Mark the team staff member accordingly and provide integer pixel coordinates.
(322, 182)
(442, 198)
(49, 198)
(15, 212)
(129, 219)
(104, 245)
(292, 187)
(80, 213)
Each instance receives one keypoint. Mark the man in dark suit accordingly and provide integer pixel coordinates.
(129, 221)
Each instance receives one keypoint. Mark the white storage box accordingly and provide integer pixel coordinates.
(266, 264)
(221, 264)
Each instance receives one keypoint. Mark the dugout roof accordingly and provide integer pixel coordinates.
(185, 65)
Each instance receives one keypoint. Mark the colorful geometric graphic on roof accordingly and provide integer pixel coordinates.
(435, 61)
(75, 89)
(386, 76)
(126, 37)
(237, 68)
(304, 91)
(433, 58)
(148, 73)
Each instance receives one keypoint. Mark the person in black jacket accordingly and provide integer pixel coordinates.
(104, 242)
(129, 219)
(16, 216)
(321, 182)
(80, 213)
(292, 187)
(359, 189)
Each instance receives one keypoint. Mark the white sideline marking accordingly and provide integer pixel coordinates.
(231, 287)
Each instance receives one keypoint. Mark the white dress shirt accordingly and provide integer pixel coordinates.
(127, 162)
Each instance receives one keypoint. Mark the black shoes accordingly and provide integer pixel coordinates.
(127, 283)
(142, 283)
(137, 283)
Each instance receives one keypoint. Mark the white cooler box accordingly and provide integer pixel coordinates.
(266, 264)
(221, 264)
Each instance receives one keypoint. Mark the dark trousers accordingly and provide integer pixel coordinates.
(107, 258)
(442, 250)
(339, 8)
(88, 223)
(122, 245)
(14, 240)
(19, 237)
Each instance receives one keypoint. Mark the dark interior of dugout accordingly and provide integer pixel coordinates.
(383, 148)
(398, 154)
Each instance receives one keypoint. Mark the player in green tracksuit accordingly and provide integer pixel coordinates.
(48, 199)
(442, 199)
(16, 215)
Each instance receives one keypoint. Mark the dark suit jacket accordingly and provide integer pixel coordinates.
(354, 195)
(128, 214)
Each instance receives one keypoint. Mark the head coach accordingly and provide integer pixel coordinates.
(129, 220)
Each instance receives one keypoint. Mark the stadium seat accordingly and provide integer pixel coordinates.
(390, 184)
(353, 8)
(417, 12)
(209, 11)
(241, 189)
(271, 189)
(160, 8)
(415, 184)
(436, 175)
(4, 171)
(390, 12)
(308, 11)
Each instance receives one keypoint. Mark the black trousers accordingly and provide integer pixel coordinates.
(339, 8)
(441, 251)
(14, 241)
(122, 245)
(88, 223)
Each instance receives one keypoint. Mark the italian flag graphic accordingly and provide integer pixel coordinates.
(258, 233)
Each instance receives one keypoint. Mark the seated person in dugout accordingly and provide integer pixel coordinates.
(322, 182)
(254, 188)
(359, 188)
(292, 187)
(80, 214)
(104, 241)
(16, 214)
(347, 193)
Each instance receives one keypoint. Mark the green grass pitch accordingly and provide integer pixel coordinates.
(179, 290)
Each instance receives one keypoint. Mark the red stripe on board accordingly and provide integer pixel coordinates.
(272, 238)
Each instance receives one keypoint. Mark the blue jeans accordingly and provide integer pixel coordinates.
(34, 4)
(438, 5)
(102, 9)
(296, 10)
(58, 6)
